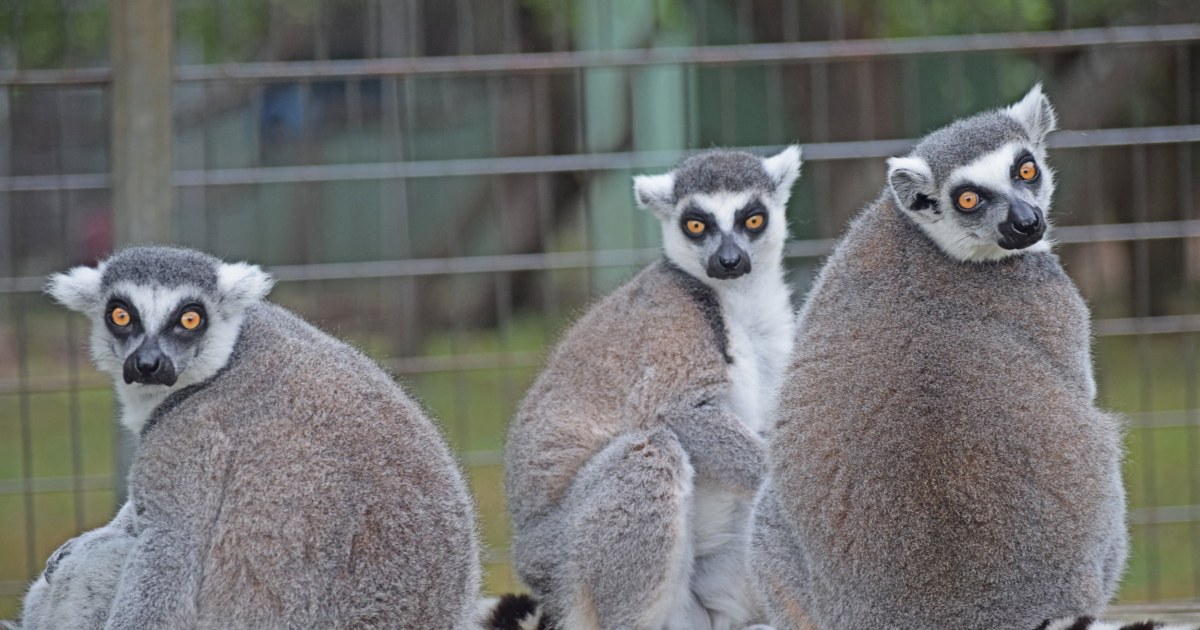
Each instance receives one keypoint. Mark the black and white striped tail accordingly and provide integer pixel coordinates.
(513, 612)
(1090, 623)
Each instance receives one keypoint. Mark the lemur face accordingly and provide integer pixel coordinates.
(723, 213)
(154, 332)
(162, 318)
(981, 188)
(723, 232)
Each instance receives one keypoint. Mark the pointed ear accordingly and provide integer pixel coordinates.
(77, 289)
(783, 168)
(655, 193)
(1035, 113)
(912, 183)
(241, 284)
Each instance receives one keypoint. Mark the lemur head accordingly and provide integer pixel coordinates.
(980, 187)
(723, 213)
(162, 318)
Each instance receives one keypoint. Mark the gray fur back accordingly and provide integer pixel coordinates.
(937, 451)
(326, 497)
(649, 347)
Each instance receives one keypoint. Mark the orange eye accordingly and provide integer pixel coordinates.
(190, 320)
(755, 222)
(694, 227)
(968, 200)
(119, 316)
(1028, 170)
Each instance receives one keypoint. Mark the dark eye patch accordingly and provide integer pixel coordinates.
(694, 213)
(755, 207)
(752, 208)
(173, 324)
(985, 195)
(135, 319)
(1015, 170)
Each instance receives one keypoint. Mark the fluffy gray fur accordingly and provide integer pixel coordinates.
(296, 486)
(631, 463)
(76, 588)
(714, 171)
(598, 481)
(163, 266)
(938, 460)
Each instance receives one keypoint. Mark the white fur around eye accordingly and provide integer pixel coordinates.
(993, 170)
(723, 206)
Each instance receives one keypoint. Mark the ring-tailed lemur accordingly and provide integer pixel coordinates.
(282, 478)
(633, 460)
(938, 460)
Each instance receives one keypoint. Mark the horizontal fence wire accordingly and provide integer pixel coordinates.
(547, 261)
(528, 165)
(815, 51)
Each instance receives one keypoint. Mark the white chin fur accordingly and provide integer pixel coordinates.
(970, 249)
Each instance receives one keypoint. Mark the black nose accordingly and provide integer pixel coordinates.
(729, 261)
(148, 363)
(1023, 226)
(1026, 223)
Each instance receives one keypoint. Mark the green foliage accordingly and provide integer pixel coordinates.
(51, 34)
(909, 18)
(553, 15)
(227, 31)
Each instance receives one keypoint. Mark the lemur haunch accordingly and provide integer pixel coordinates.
(77, 587)
(634, 458)
(282, 479)
(938, 459)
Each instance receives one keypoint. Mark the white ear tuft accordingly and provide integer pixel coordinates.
(77, 289)
(655, 193)
(241, 283)
(784, 167)
(1035, 113)
(911, 182)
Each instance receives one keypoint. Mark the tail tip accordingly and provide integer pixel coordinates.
(517, 611)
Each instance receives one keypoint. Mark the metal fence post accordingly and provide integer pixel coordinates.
(141, 49)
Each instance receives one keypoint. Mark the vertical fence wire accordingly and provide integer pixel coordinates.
(63, 204)
(1191, 402)
(1141, 271)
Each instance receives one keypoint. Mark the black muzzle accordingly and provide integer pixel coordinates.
(149, 366)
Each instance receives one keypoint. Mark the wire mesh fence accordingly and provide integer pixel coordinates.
(447, 184)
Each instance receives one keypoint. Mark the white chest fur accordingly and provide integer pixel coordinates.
(760, 324)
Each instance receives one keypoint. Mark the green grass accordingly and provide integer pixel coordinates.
(474, 406)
